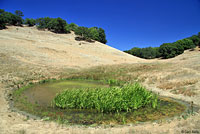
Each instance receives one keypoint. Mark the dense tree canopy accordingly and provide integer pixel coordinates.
(19, 13)
(134, 51)
(7, 18)
(186, 43)
(170, 50)
(57, 25)
(2, 20)
(94, 33)
(195, 39)
(71, 27)
(2, 23)
(166, 50)
(42, 23)
(147, 53)
(82, 31)
(102, 36)
(30, 22)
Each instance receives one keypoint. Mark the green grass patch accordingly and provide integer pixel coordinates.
(113, 99)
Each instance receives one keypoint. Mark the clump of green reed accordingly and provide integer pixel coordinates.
(114, 82)
(112, 99)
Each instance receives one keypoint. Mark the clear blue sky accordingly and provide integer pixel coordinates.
(128, 23)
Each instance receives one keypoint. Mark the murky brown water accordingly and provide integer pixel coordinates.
(43, 94)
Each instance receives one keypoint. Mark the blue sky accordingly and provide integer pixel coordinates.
(128, 23)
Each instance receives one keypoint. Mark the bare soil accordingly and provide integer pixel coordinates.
(27, 54)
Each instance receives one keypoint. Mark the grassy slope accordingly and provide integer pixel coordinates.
(30, 55)
(36, 47)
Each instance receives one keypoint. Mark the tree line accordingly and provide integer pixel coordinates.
(56, 25)
(166, 50)
(7, 18)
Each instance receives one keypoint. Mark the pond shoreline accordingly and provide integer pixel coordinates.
(185, 113)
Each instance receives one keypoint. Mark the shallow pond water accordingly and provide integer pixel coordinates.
(43, 94)
(36, 100)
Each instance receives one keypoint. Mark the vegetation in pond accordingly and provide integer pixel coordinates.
(45, 91)
(113, 99)
(164, 107)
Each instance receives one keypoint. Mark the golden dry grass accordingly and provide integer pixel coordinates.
(28, 55)
(177, 84)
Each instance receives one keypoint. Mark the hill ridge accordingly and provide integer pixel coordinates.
(29, 44)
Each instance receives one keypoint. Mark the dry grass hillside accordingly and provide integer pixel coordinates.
(46, 48)
(27, 54)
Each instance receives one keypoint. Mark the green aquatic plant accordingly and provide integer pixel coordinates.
(113, 99)
(113, 82)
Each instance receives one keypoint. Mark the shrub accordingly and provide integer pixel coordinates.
(2, 22)
(57, 25)
(186, 43)
(71, 27)
(11, 19)
(113, 99)
(147, 53)
(18, 16)
(82, 31)
(94, 33)
(135, 51)
(19, 13)
(170, 50)
(42, 23)
(102, 36)
(30, 22)
(195, 39)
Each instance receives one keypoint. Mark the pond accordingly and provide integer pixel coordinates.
(36, 100)
(43, 94)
